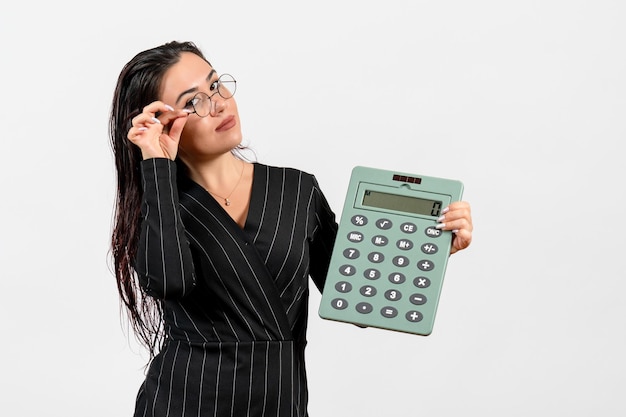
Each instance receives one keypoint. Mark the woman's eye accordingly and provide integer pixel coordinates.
(214, 85)
(191, 103)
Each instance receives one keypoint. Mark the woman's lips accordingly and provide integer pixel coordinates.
(226, 124)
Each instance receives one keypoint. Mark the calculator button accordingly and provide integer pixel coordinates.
(359, 220)
(380, 240)
(339, 303)
(418, 299)
(384, 224)
(400, 261)
(351, 253)
(408, 227)
(429, 248)
(368, 291)
(404, 244)
(389, 312)
(393, 295)
(376, 257)
(414, 316)
(355, 237)
(343, 286)
(347, 270)
(432, 231)
(425, 265)
(364, 308)
(421, 282)
(397, 278)
(371, 273)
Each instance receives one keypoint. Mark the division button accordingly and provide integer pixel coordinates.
(426, 265)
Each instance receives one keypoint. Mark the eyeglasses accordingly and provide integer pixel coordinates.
(225, 86)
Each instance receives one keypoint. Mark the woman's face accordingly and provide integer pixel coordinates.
(209, 136)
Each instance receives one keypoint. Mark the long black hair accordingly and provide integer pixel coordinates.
(138, 85)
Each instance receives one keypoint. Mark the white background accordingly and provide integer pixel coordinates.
(525, 102)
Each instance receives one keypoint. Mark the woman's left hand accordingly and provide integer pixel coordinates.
(458, 218)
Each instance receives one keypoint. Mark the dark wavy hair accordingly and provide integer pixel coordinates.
(138, 85)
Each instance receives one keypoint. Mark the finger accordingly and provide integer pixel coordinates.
(461, 240)
(176, 127)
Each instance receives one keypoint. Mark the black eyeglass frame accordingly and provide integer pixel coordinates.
(220, 83)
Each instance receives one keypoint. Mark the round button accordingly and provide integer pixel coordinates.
(371, 273)
(418, 299)
(351, 253)
(355, 237)
(421, 282)
(432, 231)
(393, 295)
(358, 220)
(429, 248)
(380, 240)
(408, 227)
(368, 291)
(388, 312)
(364, 308)
(396, 278)
(414, 316)
(404, 244)
(384, 224)
(343, 286)
(347, 270)
(425, 265)
(339, 303)
(400, 261)
(376, 257)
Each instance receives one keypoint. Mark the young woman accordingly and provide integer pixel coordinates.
(213, 253)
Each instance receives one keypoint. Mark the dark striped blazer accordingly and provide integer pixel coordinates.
(235, 300)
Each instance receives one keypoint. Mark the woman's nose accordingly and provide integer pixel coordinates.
(218, 104)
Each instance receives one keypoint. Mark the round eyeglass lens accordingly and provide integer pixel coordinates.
(202, 104)
(227, 86)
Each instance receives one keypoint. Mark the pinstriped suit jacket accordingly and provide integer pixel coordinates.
(234, 300)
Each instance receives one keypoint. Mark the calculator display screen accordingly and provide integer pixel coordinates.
(402, 203)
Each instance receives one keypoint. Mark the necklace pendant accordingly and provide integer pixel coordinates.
(226, 202)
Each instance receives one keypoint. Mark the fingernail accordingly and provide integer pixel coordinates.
(142, 129)
(441, 218)
(155, 120)
(440, 225)
(455, 231)
(170, 108)
(445, 210)
(187, 111)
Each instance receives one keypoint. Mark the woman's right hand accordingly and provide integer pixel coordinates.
(158, 137)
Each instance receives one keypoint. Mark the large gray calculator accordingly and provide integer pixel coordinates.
(389, 259)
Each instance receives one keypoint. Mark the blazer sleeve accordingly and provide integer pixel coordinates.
(163, 263)
(323, 240)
